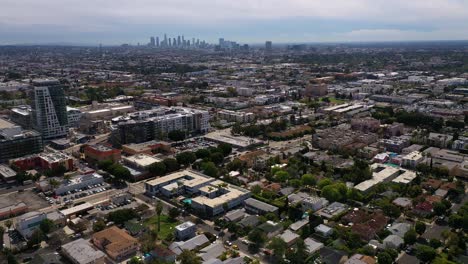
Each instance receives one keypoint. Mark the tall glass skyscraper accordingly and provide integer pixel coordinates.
(49, 109)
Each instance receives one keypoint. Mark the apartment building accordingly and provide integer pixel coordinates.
(117, 244)
(49, 112)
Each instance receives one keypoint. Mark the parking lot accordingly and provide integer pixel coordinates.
(193, 144)
(128, 204)
(76, 194)
(29, 197)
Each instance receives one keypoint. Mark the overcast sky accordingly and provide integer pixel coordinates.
(245, 21)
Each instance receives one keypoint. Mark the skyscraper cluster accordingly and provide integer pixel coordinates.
(177, 42)
(225, 45)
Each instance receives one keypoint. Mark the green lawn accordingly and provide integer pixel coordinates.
(167, 225)
(335, 100)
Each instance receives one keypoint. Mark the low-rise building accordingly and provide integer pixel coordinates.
(7, 174)
(27, 223)
(140, 161)
(254, 206)
(116, 243)
(412, 159)
(81, 252)
(185, 230)
(196, 242)
(332, 210)
(13, 210)
(385, 173)
(289, 237)
(313, 203)
(45, 161)
(210, 196)
(78, 182)
(395, 144)
(97, 153)
(148, 147)
(324, 230)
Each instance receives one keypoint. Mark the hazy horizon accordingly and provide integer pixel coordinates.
(253, 22)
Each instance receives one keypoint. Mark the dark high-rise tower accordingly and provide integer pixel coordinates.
(157, 41)
(268, 46)
(49, 109)
(152, 42)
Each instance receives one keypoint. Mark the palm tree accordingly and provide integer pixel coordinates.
(159, 209)
(54, 183)
(8, 224)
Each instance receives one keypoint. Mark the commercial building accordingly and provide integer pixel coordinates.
(27, 223)
(240, 142)
(15, 142)
(185, 230)
(385, 173)
(148, 147)
(13, 210)
(96, 153)
(45, 161)
(116, 243)
(140, 161)
(210, 196)
(254, 206)
(7, 174)
(79, 182)
(81, 252)
(49, 111)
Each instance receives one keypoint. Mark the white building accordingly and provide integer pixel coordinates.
(385, 173)
(412, 159)
(140, 161)
(185, 230)
(211, 196)
(235, 116)
(27, 223)
(79, 182)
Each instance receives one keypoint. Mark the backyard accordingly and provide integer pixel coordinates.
(167, 225)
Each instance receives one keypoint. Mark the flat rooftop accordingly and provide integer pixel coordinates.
(237, 141)
(187, 177)
(6, 124)
(232, 192)
(142, 160)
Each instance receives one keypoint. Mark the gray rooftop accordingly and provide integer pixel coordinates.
(82, 252)
(260, 205)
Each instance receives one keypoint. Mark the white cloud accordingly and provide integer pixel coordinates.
(448, 19)
(401, 35)
(203, 11)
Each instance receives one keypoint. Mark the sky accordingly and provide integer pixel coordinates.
(246, 21)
